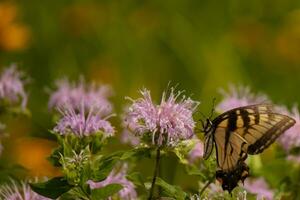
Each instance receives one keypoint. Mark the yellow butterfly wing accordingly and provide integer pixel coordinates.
(249, 129)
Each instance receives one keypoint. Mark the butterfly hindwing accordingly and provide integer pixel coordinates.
(228, 153)
(248, 129)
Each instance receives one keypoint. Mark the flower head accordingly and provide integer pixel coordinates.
(239, 96)
(166, 123)
(196, 152)
(259, 187)
(117, 177)
(93, 96)
(15, 191)
(291, 137)
(82, 123)
(12, 86)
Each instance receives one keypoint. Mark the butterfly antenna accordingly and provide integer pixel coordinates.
(202, 124)
(213, 108)
(201, 120)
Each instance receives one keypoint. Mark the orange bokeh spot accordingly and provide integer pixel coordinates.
(8, 13)
(32, 153)
(13, 35)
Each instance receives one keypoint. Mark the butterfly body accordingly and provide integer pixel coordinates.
(229, 180)
(241, 131)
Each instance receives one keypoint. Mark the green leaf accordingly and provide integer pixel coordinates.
(137, 153)
(96, 142)
(54, 158)
(137, 179)
(102, 167)
(105, 192)
(171, 190)
(8, 172)
(52, 188)
(182, 149)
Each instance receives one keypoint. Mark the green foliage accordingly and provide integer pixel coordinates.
(142, 152)
(6, 108)
(204, 169)
(80, 160)
(7, 172)
(105, 192)
(171, 190)
(52, 188)
(71, 142)
(77, 167)
(103, 165)
(137, 179)
(182, 149)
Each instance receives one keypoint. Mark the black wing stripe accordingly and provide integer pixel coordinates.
(256, 115)
(231, 126)
(245, 117)
(270, 136)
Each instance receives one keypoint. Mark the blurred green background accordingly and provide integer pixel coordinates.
(201, 45)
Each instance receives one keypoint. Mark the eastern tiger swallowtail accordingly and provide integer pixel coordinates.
(239, 132)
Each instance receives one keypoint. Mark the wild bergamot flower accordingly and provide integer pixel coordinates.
(12, 86)
(14, 191)
(164, 124)
(118, 177)
(82, 123)
(259, 187)
(291, 137)
(239, 96)
(92, 95)
(196, 152)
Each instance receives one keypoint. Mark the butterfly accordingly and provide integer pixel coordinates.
(239, 132)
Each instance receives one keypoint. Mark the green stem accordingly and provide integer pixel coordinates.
(85, 193)
(155, 173)
(204, 188)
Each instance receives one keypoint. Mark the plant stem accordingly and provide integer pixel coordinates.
(204, 188)
(155, 173)
(85, 193)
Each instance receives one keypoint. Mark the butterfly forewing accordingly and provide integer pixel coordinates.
(248, 129)
(272, 127)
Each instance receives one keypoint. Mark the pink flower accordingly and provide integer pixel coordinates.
(82, 124)
(12, 86)
(260, 188)
(291, 137)
(164, 124)
(14, 191)
(294, 158)
(93, 96)
(128, 138)
(196, 152)
(118, 177)
(239, 96)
